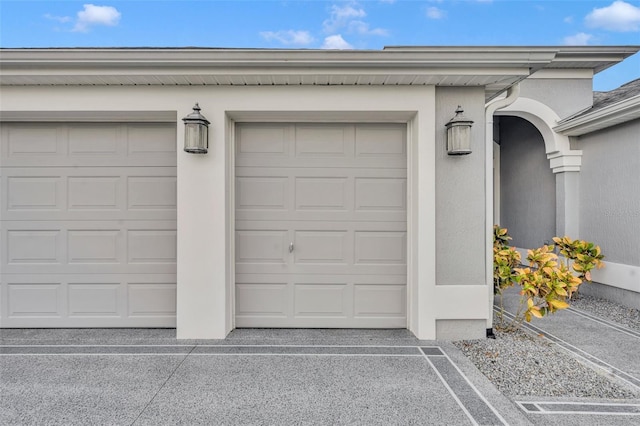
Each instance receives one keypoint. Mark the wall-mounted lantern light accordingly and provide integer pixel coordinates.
(196, 138)
(459, 134)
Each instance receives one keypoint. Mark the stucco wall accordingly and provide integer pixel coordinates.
(527, 184)
(610, 191)
(565, 96)
(205, 196)
(460, 200)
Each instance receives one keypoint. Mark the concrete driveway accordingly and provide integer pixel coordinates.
(276, 377)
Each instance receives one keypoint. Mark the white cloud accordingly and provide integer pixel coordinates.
(361, 27)
(61, 19)
(568, 20)
(580, 39)
(341, 16)
(619, 16)
(435, 13)
(350, 19)
(289, 37)
(336, 42)
(96, 15)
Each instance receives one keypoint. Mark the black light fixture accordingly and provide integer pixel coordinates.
(196, 132)
(459, 134)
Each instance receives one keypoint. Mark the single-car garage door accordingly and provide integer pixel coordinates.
(321, 225)
(88, 225)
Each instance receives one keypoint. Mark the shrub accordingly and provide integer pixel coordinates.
(548, 282)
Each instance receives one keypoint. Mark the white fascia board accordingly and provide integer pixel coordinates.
(621, 112)
(247, 58)
(44, 64)
(561, 74)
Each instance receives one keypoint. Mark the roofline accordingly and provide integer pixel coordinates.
(618, 113)
(284, 58)
(148, 65)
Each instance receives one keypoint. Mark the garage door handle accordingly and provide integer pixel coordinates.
(290, 247)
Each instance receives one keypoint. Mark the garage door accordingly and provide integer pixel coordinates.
(88, 225)
(321, 225)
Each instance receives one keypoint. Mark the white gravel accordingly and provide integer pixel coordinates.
(522, 364)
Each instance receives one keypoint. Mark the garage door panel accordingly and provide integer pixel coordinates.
(88, 144)
(373, 140)
(96, 299)
(95, 140)
(107, 193)
(380, 300)
(149, 299)
(94, 192)
(41, 140)
(381, 194)
(322, 193)
(88, 300)
(322, 247)
(151, 140)
(328, 171)
(95, 246)
(323, 141)
(262, 246)
(31, 193)
(152, 193)
(262, 193)
(319, 162)
(321, 268)
(31, 247)
(322, 300)
(86, 247)
(262, 299)
(263, 140)
(283, 223)
(380, 247)
(40, 300)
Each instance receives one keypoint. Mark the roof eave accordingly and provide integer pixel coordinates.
(618, 113)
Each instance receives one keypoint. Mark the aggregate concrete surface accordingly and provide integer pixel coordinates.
(266, 376)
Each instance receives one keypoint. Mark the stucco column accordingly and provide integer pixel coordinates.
(567, 204)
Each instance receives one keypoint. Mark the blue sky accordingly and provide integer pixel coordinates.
(362, 24)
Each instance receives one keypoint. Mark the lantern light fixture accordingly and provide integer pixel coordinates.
(459, 134)
(196, 135)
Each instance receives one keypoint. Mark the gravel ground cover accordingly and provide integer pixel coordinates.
(610, 311)
(523, 364)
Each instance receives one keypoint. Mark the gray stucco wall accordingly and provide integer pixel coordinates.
(610, 191)
(460, 193)
(527, 184)
(565, 96)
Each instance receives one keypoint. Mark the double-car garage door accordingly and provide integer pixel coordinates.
(88, 225)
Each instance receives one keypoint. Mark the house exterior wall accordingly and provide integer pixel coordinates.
(205, 246)
(460, 206)
(528, 186)
(460, 226)
(609, 195)
(565, 96)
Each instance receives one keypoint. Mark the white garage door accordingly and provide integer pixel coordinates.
(321, 225)
(88, 225)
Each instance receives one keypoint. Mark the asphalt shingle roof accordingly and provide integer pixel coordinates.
(604, 99)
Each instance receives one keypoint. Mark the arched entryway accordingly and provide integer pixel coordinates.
(537, 194)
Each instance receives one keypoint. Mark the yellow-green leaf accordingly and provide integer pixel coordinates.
(558, 304)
